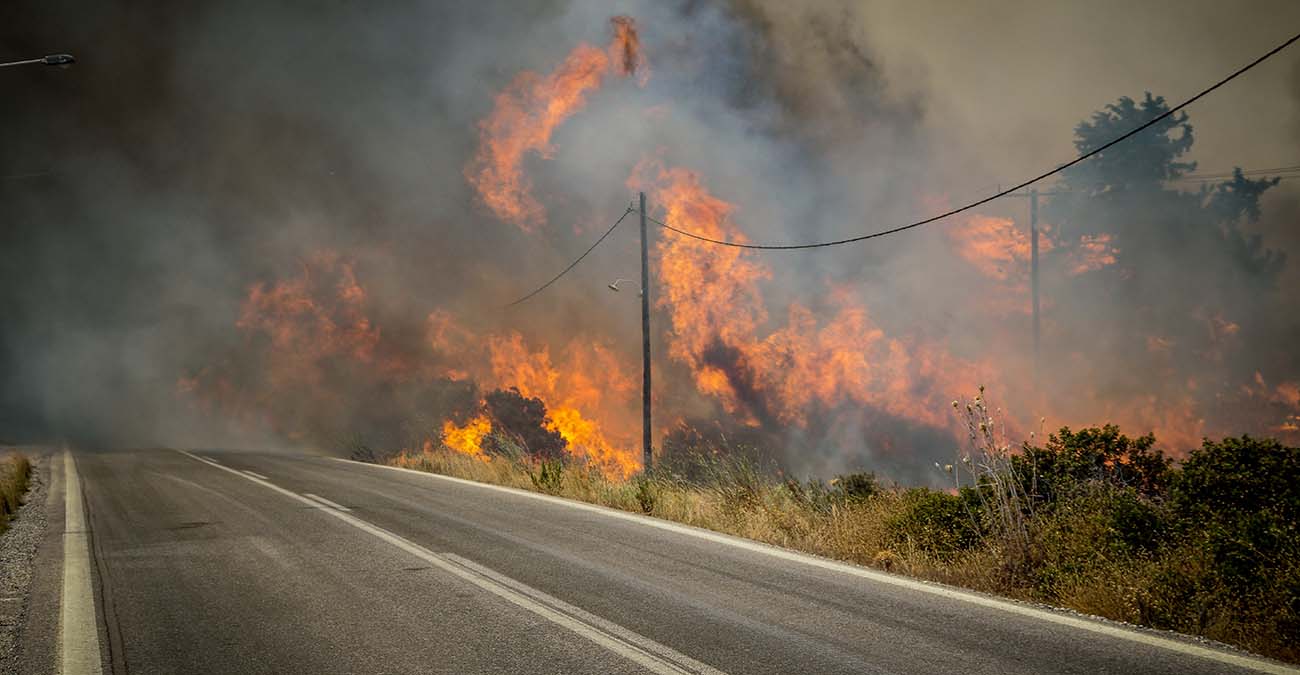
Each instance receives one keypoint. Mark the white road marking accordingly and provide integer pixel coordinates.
(256, 475)
(326, 502)
(643, 651)
(1093, 626)
(78, 629)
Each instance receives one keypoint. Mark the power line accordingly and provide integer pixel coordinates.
(575, 262)
(1244, 172)
(1002, 193)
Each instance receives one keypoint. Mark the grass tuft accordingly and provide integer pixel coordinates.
(15, 477)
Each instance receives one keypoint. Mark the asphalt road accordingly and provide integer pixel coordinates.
(197, 566)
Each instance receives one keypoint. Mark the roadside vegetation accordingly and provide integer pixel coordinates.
(15, 476)
(1089, 519)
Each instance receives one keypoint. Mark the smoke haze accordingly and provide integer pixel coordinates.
(254, 224)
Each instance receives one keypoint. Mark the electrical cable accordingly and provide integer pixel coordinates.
(574, 263)
(1003, 193)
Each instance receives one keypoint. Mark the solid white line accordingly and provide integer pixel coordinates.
(643, 651)
(1093, 626)
(256, 475)
(325, 501)
(78, 630)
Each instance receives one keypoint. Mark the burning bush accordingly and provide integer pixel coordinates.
(522, 420)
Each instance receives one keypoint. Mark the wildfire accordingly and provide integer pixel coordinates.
(717, 312)
(588, 394)
(467, 439)
(1092, 253)
(528, 111)
(303, 329)
(996, 247)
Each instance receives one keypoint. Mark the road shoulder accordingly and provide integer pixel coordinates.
(21, 560)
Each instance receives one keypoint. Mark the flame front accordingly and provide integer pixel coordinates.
(712, 296)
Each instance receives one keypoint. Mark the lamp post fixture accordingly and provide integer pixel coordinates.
(614, 286)
(61, 60)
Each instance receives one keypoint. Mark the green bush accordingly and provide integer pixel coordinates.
(1071, 458)
(856, 487)
(1239, 499)
(937, 523)
(548, 476)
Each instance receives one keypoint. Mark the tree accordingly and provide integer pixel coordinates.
(524, 421)
(1185, 280)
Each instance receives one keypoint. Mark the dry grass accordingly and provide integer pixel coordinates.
(761, 510)
(15, 476)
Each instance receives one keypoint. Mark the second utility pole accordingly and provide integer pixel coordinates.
(1033, 271)
(645, 341)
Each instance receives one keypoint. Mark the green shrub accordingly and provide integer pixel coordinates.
(1071, 458)
(856, 487)
(647, 492)
(937, 523)
(1240, 498)
(548, 476)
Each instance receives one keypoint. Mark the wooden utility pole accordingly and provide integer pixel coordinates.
(646, 447)
(1033, 269)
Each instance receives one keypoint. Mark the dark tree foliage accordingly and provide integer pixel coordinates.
(1124, 191)
(1140, 162)
(524, 421)
(1242, 497)
(1071, 458)
(1186, 271)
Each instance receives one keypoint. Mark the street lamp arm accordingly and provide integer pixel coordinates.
(51, 60)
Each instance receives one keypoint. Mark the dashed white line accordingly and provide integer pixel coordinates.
(78, 630)
(326, 502)
(655, 657)
(254, 474)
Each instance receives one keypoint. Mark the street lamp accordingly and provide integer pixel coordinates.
(614, 286)
(61, 60)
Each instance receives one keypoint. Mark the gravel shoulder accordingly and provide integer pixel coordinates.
(17, 555)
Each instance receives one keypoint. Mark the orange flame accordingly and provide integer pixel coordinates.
(713, 299)
(996, 247)
(1093, 253)
(587, 393)
(528, 111)
(467, 439)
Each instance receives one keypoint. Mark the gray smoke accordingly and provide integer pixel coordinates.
(192, 154)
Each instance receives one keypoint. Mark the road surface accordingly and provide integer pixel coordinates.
(233, 562)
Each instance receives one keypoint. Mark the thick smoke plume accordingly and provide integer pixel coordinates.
(277, 226)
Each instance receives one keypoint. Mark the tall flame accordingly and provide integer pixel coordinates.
(529, 110)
